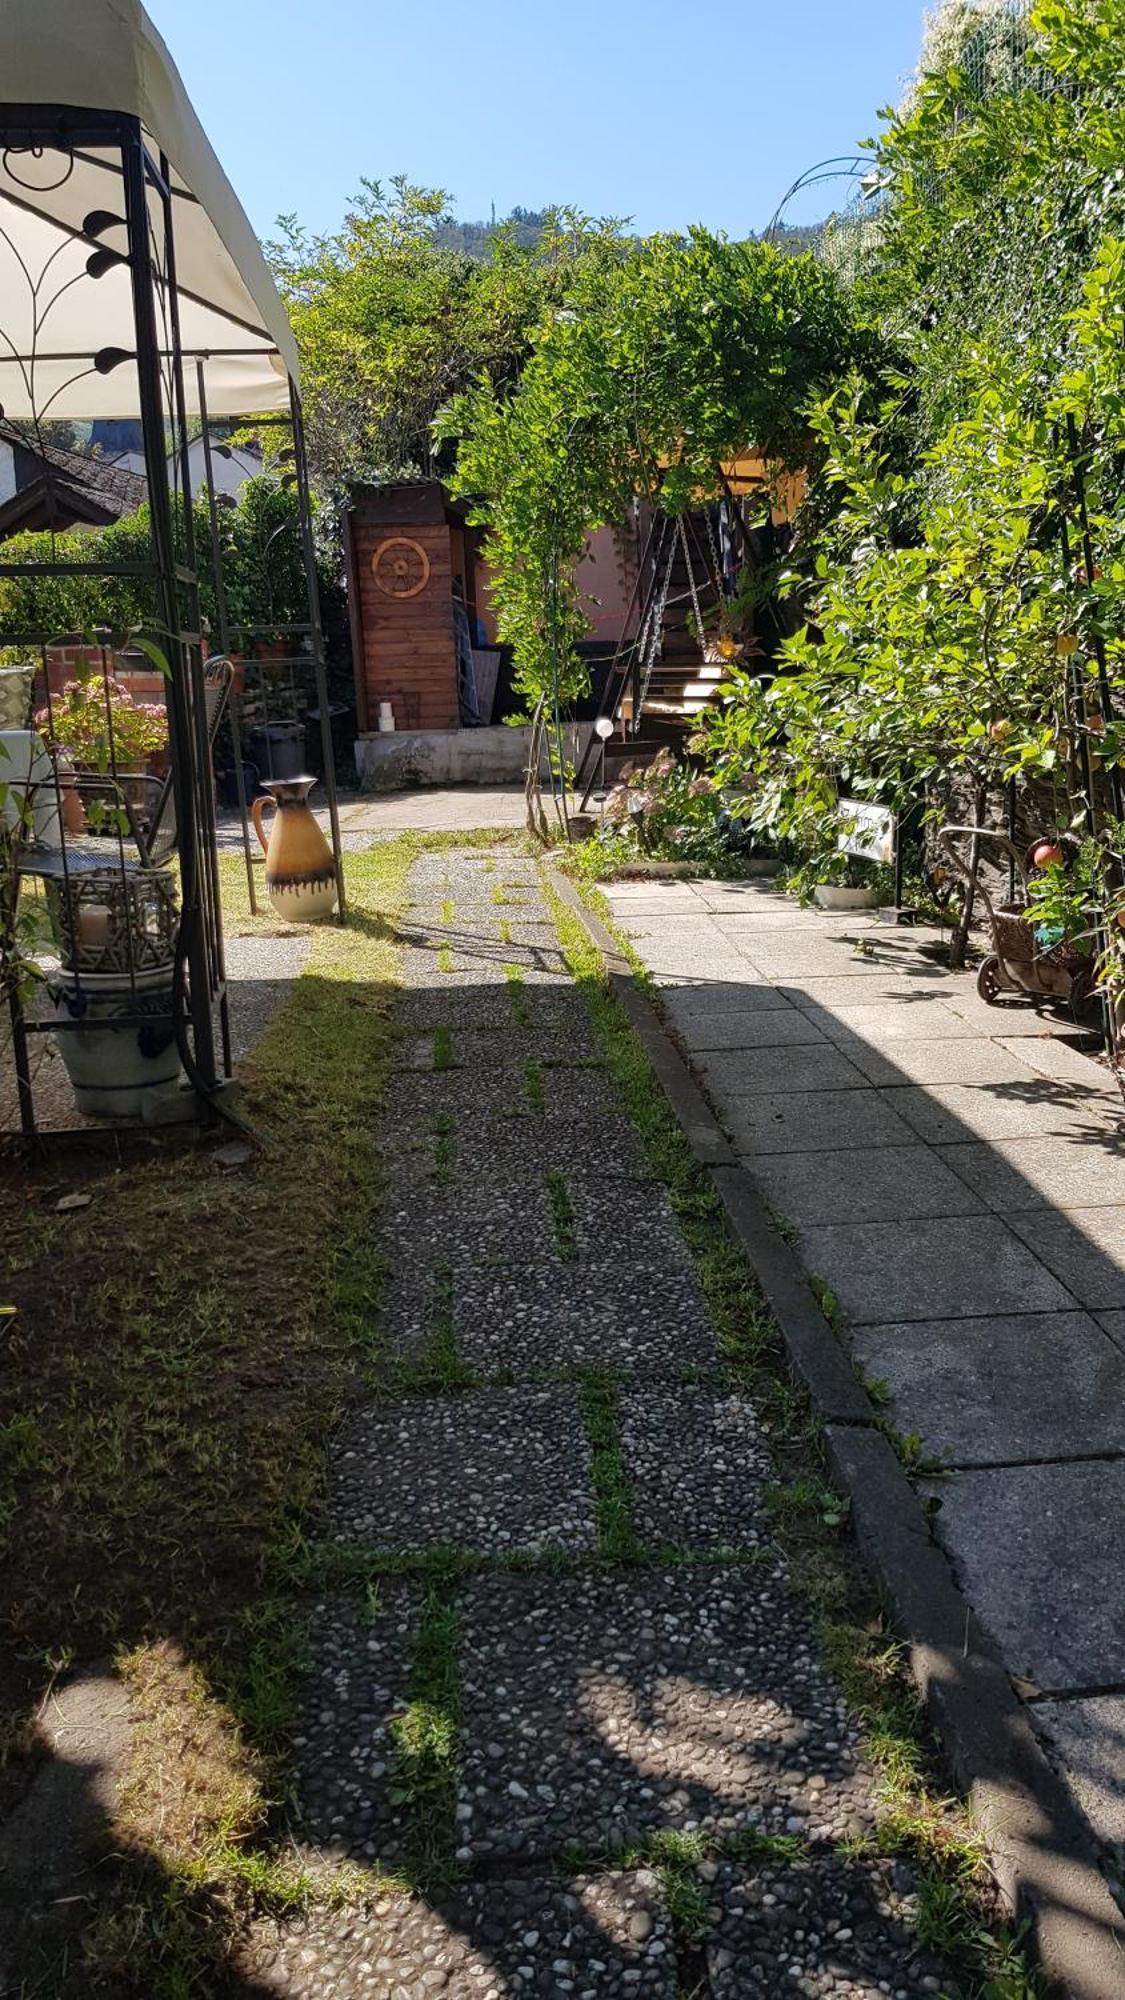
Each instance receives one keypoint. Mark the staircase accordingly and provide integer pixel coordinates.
(660, 683)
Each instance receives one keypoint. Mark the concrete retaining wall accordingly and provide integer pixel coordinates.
(452, 756)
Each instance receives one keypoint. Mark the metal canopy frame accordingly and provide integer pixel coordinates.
(146, 185)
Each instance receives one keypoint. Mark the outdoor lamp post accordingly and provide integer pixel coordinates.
(603, 728)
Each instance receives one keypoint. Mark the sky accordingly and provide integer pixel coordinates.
(663, 111)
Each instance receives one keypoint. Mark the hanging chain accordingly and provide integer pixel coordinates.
(716, 554)
(656, 632)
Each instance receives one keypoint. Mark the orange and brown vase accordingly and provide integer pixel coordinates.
(300, 870)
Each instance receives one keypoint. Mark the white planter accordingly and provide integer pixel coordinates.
(829, 897)
(120, 1069)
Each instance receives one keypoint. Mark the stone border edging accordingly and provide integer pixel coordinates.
(1041, 1853)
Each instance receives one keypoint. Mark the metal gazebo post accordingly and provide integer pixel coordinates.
(300, 462)
(224, 632)
(192, 932)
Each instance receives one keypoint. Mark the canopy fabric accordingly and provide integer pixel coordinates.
(105, 55)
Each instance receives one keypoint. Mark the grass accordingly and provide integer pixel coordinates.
(181, 1352)
(517, 997)
(443, 1048)
(562, 1214)
(424, 1772)
(444, 1135)
(617, 1535)
(917, 1819)
(534, 1086)
(441, 1366)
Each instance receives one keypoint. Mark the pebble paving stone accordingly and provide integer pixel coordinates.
(599, 1708)
(357, 1682)
(495, 1471)
(428, 1225)
(500, 1097)
(590, 1938)
(597, 1705)
(696, 1464)
(637, 1214)
(830, 1929)
(598, 1313)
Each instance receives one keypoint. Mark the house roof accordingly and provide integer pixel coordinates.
(65, 487)
(60, 204)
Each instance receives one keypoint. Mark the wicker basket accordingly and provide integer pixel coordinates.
(1013, 939)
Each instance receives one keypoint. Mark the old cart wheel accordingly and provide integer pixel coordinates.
(990, 983)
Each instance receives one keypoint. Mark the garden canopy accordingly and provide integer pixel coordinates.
(106, 56)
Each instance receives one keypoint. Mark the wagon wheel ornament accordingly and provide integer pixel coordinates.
(401, 568)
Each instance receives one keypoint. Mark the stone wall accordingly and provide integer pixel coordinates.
(495, 756)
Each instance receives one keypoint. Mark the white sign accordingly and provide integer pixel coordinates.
(869, 832)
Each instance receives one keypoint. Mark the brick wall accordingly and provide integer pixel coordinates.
(133, 670)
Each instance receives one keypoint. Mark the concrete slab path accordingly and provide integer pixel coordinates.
(954, 1176)
(580, 1641)
(367, 816)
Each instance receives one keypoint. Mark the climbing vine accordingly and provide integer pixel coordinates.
(659, 368)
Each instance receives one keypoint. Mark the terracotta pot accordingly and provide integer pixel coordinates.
(300, 871)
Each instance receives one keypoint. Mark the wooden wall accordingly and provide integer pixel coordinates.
(405, 647)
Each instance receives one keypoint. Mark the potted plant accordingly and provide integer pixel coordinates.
(834, 880)
(95, 728)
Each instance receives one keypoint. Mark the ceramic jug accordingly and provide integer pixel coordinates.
(300, 871)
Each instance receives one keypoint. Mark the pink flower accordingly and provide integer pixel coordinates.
(700, 787)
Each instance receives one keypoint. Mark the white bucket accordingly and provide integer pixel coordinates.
(831, 897)
(120, 1068)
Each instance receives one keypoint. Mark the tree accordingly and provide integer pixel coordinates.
(393, 319)
(958, 629)
(656, 370)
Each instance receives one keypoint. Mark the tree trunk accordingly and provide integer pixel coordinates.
(960, 939)
(533, 797)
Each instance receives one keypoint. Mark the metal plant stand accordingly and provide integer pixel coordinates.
(124, 294)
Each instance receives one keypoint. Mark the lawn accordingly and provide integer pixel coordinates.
(179, 1352)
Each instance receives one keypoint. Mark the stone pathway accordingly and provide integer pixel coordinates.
(365, 816)
(955, 1174)
(516, 1705)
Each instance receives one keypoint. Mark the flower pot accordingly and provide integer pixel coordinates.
(70, 798)
(122, 1060)
(300, 870)
(830, 896)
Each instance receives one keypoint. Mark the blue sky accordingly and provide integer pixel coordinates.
(667, 111)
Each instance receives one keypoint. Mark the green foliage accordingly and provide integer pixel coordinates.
(263, 570)
(393, 318)
(916, 657)
(661, 366)
(102, 727)
(952, 631)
